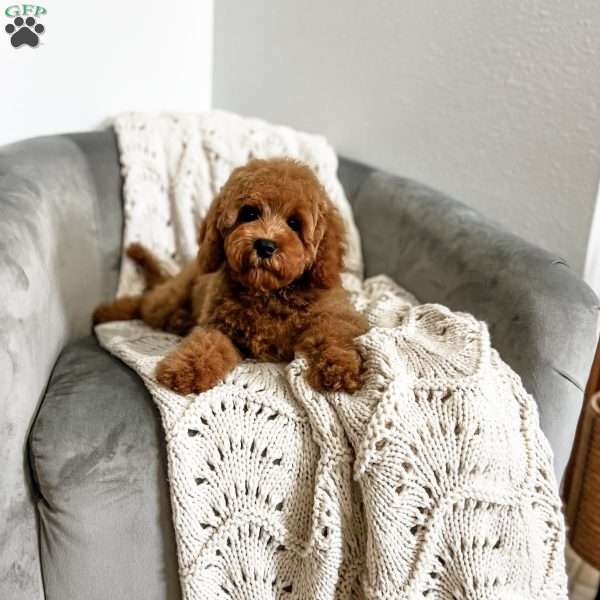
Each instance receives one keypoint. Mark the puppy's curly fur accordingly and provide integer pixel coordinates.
(239, 300)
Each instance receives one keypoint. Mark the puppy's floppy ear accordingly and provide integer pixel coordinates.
(211, 254)
(329, 262)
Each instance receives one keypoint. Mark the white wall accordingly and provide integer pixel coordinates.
(496, 103)
(591, 272)
(100, 57)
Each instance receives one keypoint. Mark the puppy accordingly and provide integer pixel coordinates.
(265, 285)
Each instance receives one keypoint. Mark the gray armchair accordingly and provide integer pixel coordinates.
(84, 505)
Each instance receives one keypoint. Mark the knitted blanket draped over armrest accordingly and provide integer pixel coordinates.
(433, 481)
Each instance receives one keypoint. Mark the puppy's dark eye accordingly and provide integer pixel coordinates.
(294, 223)
(248, 213)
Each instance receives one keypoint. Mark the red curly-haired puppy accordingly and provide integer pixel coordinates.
(265, 284)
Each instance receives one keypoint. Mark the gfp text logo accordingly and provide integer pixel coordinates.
(24, 28)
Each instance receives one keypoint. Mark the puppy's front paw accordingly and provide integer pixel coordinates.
(185, 373)
(336, 369)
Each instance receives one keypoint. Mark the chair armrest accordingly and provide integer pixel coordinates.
(51, 276)
(542, 317)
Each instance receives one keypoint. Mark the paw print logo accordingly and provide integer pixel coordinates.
(24, 31)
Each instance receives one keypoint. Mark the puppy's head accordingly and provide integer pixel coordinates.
(273, 223)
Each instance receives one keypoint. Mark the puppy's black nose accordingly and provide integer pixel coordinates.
(265, 248)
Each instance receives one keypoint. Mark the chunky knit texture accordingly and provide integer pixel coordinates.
(433, 481)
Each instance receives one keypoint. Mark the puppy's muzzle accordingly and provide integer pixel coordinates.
(265, 248)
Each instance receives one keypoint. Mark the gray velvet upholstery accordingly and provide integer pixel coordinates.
(100, 466)
(97, 473)
(52, 273)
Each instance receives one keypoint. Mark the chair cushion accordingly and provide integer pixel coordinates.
(98, 458)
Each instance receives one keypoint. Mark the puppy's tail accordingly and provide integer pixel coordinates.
(149, 264)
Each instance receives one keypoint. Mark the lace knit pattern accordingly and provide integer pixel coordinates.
(433, 481)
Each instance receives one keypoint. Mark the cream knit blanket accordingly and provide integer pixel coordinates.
(433, 481)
